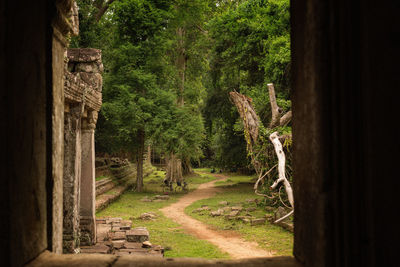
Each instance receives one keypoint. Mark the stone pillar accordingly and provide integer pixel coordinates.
(82, 88)
(72, 176)
(88, 185)
(64, 24)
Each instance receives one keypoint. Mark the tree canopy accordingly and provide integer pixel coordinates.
(169, 68)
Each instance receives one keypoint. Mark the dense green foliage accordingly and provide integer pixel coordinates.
(251, 48)
(225, 45)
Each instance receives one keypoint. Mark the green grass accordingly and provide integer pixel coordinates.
(236, 179)
(163, 231)
(236, 192)
(207, 170)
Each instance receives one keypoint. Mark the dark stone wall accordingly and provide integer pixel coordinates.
(25, 64)
(345, 98)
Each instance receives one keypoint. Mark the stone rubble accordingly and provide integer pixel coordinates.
(115, 236)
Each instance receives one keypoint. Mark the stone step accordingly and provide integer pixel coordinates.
(105, 199)
(99, 248)
(138, 235)
(103, 182)
(105, 185)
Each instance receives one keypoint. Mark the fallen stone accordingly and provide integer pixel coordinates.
(148, 216)
(158, 200)
(258, 221)
(252, 200)
(225, 209)
(279, 213)
(163, 197)
(205, 208)
(234, 213)
(250, 209)
(138, 234)
(246, 220)
(287, 226)
(239, 208)
(223, 203)
(146, 244)
(197, 210)
(146, 199)
(218, 212)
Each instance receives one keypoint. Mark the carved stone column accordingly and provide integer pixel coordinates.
(82, 88)
(72, 177)
(88, 185)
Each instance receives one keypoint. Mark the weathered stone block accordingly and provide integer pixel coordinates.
(146, 244)
(258, 221)
(218, 212)
(148, 216)
(101, 221)
(117, 235)
(163, 197)
(87, 67)
(279, 213)
(98, 249)
(234, 213)
(84, 54)
(139, 234)
(252, 200)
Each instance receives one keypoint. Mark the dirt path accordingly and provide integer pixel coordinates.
(236, 247)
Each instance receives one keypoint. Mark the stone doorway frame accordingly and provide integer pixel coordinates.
(343, 106)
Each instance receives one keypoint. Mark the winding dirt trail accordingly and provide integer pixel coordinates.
(235, 246)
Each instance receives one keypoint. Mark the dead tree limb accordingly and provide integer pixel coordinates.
(281, 167)
(251, 123)
(275, 110)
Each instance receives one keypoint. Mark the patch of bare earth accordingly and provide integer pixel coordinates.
(233, 244)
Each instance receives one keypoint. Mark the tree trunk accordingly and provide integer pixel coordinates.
(174, 169)
(181, 64)
(186, 167)
(139, 173)
(148, 157)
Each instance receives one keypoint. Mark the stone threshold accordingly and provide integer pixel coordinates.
(79, 260)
